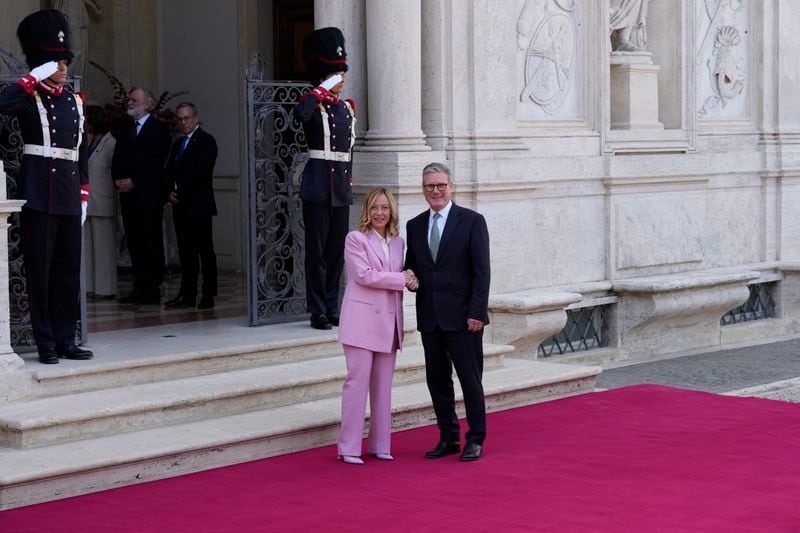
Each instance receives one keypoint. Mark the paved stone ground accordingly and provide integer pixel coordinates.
(766, 370)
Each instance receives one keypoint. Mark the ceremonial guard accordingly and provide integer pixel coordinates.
(326, 188)
(53, 181)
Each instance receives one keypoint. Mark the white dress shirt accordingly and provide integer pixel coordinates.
(384, 245)
(140, 123)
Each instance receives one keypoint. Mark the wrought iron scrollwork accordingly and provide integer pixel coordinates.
(11, 152)
(276, 158)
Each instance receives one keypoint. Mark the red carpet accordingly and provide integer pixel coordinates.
(644, 458)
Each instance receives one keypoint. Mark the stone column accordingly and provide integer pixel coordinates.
(394, 76)
(11, 384)
(350, 17)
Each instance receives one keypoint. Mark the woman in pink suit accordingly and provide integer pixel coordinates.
(371, 325)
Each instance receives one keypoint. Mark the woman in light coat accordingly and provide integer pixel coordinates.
(100, 239)
(371, 325)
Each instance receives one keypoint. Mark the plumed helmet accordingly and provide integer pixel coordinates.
(324, 53)
(44, 37)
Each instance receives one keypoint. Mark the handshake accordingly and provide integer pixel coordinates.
(411, 280)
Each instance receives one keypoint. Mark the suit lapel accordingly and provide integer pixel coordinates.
(453, 219)
(99, 148)
(421, 231)
(396, 255)
(375, 244)
(192, 140)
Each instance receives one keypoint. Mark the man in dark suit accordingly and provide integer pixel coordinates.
(448, 250)
(137, 170)
(190, 170)
(54, 182)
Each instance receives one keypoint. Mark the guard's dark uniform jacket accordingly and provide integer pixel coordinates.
(53, 181)
(329, 126)
(54, 176)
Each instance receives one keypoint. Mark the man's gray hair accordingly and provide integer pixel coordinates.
(431, 168)
(149, 97)
(189, 105)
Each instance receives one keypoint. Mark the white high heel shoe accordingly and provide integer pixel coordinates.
(384, 456)
(350, 459)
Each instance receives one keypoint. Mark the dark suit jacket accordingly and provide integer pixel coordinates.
(456, 286)
(141, 158)
(192, 177)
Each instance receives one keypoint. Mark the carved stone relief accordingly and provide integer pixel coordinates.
(721, 58)
(547, 33)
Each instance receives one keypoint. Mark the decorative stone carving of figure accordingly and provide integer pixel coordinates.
(627, 25)
(77, 12)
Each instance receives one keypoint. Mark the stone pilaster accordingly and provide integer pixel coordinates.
(350, 17)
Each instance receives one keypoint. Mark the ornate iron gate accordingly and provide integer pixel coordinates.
(11, 153)
(275, 160)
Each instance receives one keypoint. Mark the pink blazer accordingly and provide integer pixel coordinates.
(372, 309)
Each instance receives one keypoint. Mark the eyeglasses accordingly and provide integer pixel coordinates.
(441, 187)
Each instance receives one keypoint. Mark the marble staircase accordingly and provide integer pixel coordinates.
(148, 416)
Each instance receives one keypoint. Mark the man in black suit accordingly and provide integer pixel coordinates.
(190, 170)
(137, 169)
(448, 250)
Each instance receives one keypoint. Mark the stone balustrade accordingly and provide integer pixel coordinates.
(526, 318)
(671, 313)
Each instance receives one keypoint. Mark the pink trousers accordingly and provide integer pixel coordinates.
(368, 373)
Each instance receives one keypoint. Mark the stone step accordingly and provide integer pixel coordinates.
(106, 373)
(104, 412)
(67, 469)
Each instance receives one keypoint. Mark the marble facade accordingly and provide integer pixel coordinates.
(671, 219)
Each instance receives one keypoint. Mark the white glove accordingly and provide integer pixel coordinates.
(331, 82)
(84, 206)
(42, 72)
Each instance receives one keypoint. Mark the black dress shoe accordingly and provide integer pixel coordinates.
(179, 303)
(73, 352)
(320, 322)
(333, 319)
(442, 449)
(206, 302)
(472, 452)
(48, 356)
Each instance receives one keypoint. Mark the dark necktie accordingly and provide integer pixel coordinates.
(182, 148)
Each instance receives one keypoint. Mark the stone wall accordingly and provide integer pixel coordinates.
(591, 167)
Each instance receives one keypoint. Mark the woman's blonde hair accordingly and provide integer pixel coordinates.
(364, 225)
